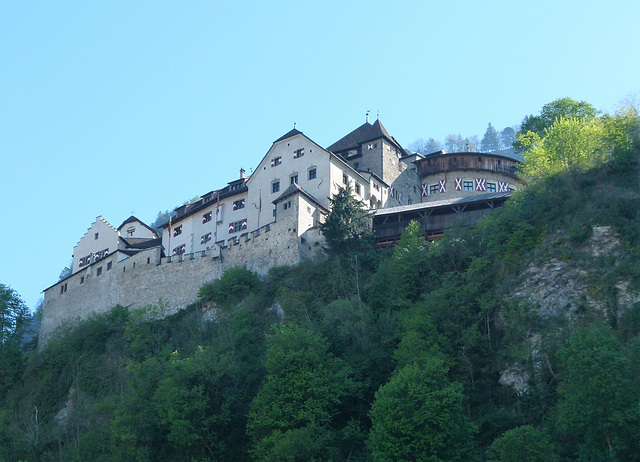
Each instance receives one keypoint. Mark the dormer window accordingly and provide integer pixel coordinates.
(131, 230)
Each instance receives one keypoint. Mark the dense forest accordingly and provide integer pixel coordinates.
(514, 340)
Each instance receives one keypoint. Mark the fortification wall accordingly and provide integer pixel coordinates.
(145, 278)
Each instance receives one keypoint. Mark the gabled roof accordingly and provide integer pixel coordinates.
(295, 189)
(289, 134)
(362, 134)
(133, 219)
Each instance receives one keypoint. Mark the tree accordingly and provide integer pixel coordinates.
(520, 444)
(419, 416)
(490, 142)
(598, 403)
(425, 146)
(66, 271)
(299, 397)
(550, 113)
(348, 225)
(571, 144)
(507, 137)
(14, 318)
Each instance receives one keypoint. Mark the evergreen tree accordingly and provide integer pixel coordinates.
(347, 228)
(490, 142)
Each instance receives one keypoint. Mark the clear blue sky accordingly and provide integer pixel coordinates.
(109, 108)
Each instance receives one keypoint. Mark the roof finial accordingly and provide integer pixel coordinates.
(378, 114)
(294, 125)
(368, 111)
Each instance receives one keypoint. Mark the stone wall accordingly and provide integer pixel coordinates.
(145, 278)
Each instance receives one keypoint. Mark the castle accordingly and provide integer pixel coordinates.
(272, 218)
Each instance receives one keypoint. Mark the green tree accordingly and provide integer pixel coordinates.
(234, 285)
(523, 443)
(569, 145)
(507, 137)
(550, 113)
(14, 318)
(347, 228)
(419, 416)
(304, 386)
(490, 141)
(598, 404)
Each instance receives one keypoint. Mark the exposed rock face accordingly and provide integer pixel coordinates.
(558, 289)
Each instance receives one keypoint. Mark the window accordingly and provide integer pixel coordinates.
(298, 154)
(82, 280)
(294, 179)
(491, 187)
(109, 266)
(275, 186)
(434, 189)
(345, 178)
(207, 217)
(206, 238)
(179, 250)
(287, 205)
(276, 161)
(99, 272)
(95, 236)
(467, 185)
(357, 188)
(313, 173)
(148, 260)
(237, 226)
(376, 186)
(236, 186)
(356, 165)
(479, 160)
(237, 205)
(131, 230)
(177, 231)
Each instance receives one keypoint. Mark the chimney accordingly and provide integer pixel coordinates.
(241, 173)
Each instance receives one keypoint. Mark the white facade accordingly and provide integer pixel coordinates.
(100, 239)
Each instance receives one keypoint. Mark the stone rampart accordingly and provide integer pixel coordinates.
(147, 278)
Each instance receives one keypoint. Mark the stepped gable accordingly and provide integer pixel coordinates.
(362, 134)
(98, 218)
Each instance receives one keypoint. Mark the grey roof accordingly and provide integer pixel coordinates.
(506, 153)
(362, 134)
(147, 244)
(133, 219)
(294, 189)
(289, 134)
(443, 203)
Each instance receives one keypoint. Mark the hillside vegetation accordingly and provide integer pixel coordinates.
(517, 339)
